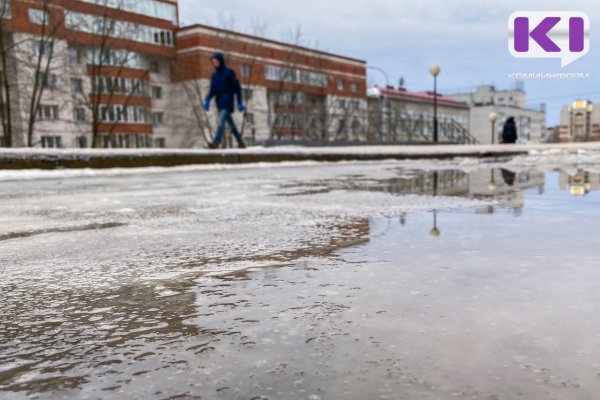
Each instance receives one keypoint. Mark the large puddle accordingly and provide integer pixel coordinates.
(466, 279)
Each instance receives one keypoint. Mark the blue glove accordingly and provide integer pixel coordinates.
(241, 107)
(207, 104)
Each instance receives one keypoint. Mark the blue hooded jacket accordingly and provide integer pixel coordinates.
(224, 85)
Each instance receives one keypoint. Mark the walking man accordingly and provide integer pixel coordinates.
(224, 85)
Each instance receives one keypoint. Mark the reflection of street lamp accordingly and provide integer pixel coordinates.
(493, 119)
(492, 185)
(435, 71)
(435, 232)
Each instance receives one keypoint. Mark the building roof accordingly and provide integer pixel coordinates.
(418, 97)
(269, 41)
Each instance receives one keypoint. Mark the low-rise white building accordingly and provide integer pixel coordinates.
(486, 100)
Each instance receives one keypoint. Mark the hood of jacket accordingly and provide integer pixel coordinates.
(221, 58)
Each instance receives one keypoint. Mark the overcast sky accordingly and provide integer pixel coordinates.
(468, 38)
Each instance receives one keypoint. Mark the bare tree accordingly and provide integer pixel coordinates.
(258, 28)
(288, 102)
(6, 46)
(105, 88)
(40, 64)
(194, 92)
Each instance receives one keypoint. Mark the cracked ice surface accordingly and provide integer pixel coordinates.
(191, 218)
(302, 281)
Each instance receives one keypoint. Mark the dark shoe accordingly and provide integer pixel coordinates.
(213, 145)
(242, 145)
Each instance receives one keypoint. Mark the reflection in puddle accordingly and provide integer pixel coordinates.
(365, 307)
(579, 182)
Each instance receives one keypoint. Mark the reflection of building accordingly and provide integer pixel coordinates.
(504, 186)
(397, 115)
(579, 183)
(485, 100)
(438, 183)
(580, 122)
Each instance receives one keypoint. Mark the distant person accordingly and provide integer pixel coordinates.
(224, 85)
(509, 134)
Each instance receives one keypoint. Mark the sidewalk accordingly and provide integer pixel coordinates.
(135, 158)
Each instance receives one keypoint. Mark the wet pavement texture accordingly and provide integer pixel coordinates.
(465, 279)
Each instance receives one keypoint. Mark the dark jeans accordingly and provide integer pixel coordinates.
(225, 118)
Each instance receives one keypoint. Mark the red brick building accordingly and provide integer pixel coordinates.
(124, 74)
(292, 92)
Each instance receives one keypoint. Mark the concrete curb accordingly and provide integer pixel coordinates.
(77, 159)
(100, 161)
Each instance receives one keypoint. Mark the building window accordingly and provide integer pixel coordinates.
(44, 48)
(282, 74)
(340, 85)
(249, 117)
(47, 112)
(142, 141)
(128, 114)
(154, 66)
(158, 118)
(150, 8)
(116, 58)
(51, 142)
(38, 17)
(341, 103)
(245, 70)
(5, 9)
(47, 80)
(81, 142)
(79, 114)
(157, 92)
(341, 125)
(355, 125)
(160, 143)
(74, 56)
(100, 25)
(111, 85)
(355, 105)
(247, 94)
(108, 114)
(163, 37)
(354, 87)
(579, 125)
(76, 85)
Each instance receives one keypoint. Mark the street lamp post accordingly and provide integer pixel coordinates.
(387, 78)
(383, 130)
(435, 232)
(493, 119)
(435, 71)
